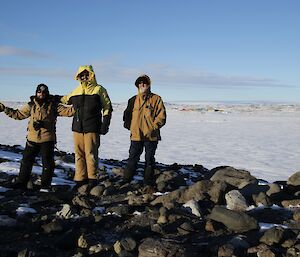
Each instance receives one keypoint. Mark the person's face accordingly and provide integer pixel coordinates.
(143, 86)
(84, 76)
(41, 94)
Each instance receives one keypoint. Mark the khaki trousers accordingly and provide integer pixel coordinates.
(86, 155)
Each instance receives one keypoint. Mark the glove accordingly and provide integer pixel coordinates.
(2, 107)
(105, 125)
(37, 125)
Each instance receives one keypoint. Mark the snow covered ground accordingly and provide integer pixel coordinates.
(261, 138)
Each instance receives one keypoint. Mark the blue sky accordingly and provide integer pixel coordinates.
(195, 50)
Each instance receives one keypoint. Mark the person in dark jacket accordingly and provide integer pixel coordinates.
(42, 111)
(92, 117)
(144, 116)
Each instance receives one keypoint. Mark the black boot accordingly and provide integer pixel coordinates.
(128, 175)
(92, 183)
(19, 185)
(80, 184)
(24, 175)
(149, 176)
(46, 179)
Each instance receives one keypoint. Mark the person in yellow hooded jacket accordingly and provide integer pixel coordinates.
(42, 111)
(93, 110)
(144, 116)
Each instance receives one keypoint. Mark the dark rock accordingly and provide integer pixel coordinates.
(272, 236)
(267, 253)
(97, 191)
(296, 215)
(294, 203)
(82, 201)
(275, 215)
(294, 180)
(86, 212)
(171, 180)
(53, 226)
(198, 191)
(276, 235)
(274, 189)
(217, 192)
(235, 177)
(67, 240)
(235, 221)
(235, 201)
(83, 190)
(151, 247)
(68, 158)
(128, 243)
(193, 207)
(257, 249)
(66, 212)
(6, 221)
(26, 253)
(293, 252)
(226, 250)
(124, 253)
(163, 215)
(261, 199)
(185, 228)
(109, 190)
(120, 209)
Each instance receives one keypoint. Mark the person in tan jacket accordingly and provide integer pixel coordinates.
(42, 111)
(144, 116)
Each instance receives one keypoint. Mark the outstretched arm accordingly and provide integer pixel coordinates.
(17, 114)
(2, 107)
(66, 111)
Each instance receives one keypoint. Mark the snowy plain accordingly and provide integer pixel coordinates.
(261, 138)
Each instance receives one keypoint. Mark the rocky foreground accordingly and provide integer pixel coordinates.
(191, 211)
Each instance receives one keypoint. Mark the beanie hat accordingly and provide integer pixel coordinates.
(42, 87)
(144, 78)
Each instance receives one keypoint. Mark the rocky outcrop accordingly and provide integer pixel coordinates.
(190, 211)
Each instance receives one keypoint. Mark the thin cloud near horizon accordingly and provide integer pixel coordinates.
(20, 52)
(168, 75)
(162, 75)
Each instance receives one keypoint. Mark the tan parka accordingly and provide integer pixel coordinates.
(144, 116)
(47, 112)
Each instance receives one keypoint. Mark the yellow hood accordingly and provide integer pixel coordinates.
(89, 68)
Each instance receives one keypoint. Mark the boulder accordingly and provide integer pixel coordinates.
(6, 221)
(261, 199)
(233, 220)
(53, 226)
(272, 236)
(235, 201)
(170, 180)
(152, 247)
(294, 180)
(235, 177)
(194, 207)
(197, 192)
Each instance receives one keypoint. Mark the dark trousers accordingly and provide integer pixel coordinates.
(31, 150)
(135, 151)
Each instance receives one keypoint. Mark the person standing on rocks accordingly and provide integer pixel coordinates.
(42, 111)
(144, 116)
(93, 110)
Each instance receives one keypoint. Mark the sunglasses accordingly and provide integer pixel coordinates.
(41, 91)
(142, 82)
